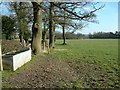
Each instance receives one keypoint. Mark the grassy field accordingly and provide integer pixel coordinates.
(93, 63)
(103, 53)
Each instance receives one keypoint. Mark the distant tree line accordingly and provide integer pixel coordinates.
(105, 35)
(69, 35)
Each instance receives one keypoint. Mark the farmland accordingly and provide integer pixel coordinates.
(79, 64)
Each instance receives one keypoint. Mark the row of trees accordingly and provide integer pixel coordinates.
(48, 16)
(68, 35)
(10, 31)
(105, 35)
(97, 35)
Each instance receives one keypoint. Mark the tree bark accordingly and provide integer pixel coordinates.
(64, 38)
(44, 36)
(37, 28)
(45, 31)
(18, 12)
(21, 30)
(1, 64)
(63, 27)
(51, 27)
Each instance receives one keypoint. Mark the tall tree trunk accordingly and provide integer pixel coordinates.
(21, 30)
(18, 12)
(45, 31)
(63, 27)
(1, 64)
(51, 26)
(37, 28)
(64, 38)
(44, 41)
(44, 35)
(53, 37)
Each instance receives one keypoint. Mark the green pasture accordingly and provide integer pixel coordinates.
(103, 52)
(100, 52)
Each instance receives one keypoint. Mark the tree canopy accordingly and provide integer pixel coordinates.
(8, 26)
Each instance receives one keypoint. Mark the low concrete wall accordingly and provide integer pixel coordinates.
(17, 60)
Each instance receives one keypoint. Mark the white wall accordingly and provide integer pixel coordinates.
(17, 60)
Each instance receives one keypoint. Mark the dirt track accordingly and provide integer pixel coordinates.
(42, 73)
(48, 72)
